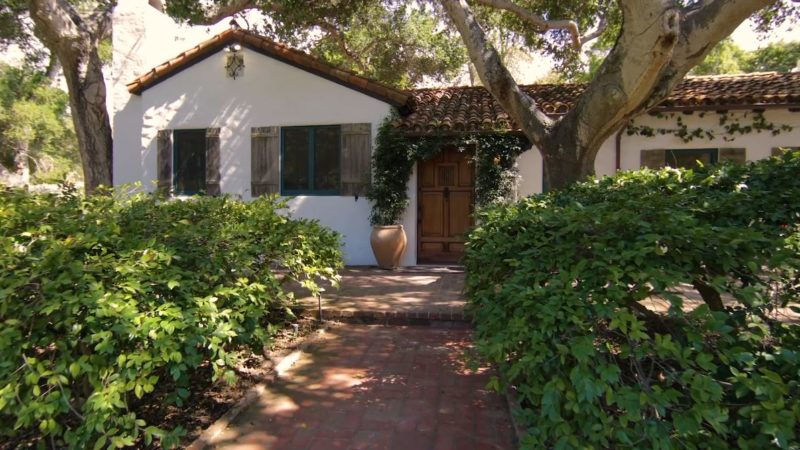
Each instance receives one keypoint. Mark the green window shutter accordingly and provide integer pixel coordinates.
(212, 161)
(735, 155)
(355, 158)
(653, 159)
(164, 163)
(264, 161)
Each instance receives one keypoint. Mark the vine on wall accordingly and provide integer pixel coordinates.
(395, 154)
(731, 125)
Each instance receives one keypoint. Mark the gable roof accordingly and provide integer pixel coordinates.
(473, 109)
(268, 47)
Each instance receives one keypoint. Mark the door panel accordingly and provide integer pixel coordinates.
(460, 214)
(446, 197)
(433, 221)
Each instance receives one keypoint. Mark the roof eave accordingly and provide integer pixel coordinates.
(396, 98)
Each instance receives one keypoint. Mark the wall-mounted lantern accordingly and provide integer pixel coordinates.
(234, 61)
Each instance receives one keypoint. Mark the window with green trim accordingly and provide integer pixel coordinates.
(689, 158)
(189, 161)
(310, 160)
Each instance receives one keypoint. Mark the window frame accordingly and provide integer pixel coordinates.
(712, 152)
(175, 155)
(311, 191)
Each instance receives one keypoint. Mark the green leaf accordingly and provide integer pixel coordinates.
(74, 369)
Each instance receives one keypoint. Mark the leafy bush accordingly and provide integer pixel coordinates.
(103, 298)
(556, 283)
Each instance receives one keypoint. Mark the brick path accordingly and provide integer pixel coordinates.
(377, 387)
(412, 293)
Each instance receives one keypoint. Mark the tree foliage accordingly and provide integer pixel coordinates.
(727, 57)
(559, 284)
(393, 42)
(777, 56)
(34, 118)
(104, 301)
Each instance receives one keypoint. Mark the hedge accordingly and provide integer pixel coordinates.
(104, 298)
(556, 284)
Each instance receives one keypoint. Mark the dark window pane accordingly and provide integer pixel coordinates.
(326, 159)
(190, 161)
(295, 159)
(688, 159)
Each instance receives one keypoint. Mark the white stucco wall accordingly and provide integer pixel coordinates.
(270, 93)
(757, 145)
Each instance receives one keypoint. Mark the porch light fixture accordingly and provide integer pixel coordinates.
(234, 61)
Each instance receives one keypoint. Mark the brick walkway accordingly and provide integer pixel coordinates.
(377, 387)
(411, 293)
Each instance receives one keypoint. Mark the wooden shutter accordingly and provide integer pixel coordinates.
(212, 161)
(735, 155)
(653, 159)
(355, 158)
(164, 157)
(264, 161)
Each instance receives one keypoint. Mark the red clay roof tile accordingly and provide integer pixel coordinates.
(472, 109)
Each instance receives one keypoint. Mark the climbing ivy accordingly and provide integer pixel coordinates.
(732, 125)
(395, 155)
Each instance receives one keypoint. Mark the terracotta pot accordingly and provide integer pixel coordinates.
(388, 244)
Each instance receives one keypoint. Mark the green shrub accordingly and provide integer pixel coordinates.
(103, 298)
(556, 284)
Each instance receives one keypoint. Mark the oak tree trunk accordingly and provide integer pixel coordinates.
(87, 99)
(73, 39)
(565, 162)
(658, 43)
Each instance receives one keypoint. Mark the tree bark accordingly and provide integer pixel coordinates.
(74, 39)
(710, 295)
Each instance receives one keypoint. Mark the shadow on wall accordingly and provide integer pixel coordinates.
(189, 110)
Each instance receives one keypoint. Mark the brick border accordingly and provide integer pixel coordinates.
(390, 317)
(278, 363)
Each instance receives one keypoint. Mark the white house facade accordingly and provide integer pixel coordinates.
(291, 125)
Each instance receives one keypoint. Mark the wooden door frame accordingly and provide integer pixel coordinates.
(418, 199)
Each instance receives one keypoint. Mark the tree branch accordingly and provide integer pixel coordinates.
(625, 80)
(212, 16)
(100, 21)
(56, 22)
(701, 28)
(494, 75)
(338, 37)
(602, 24)
(537, 21)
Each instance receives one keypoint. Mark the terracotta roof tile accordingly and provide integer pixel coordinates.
(471, 109)
(275, 50)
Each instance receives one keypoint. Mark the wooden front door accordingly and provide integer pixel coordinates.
(446, 197)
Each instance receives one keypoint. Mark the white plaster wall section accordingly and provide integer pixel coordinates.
(530, 172)
(142, 38)
(270, 93)
(757, 145)
(605, 161)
